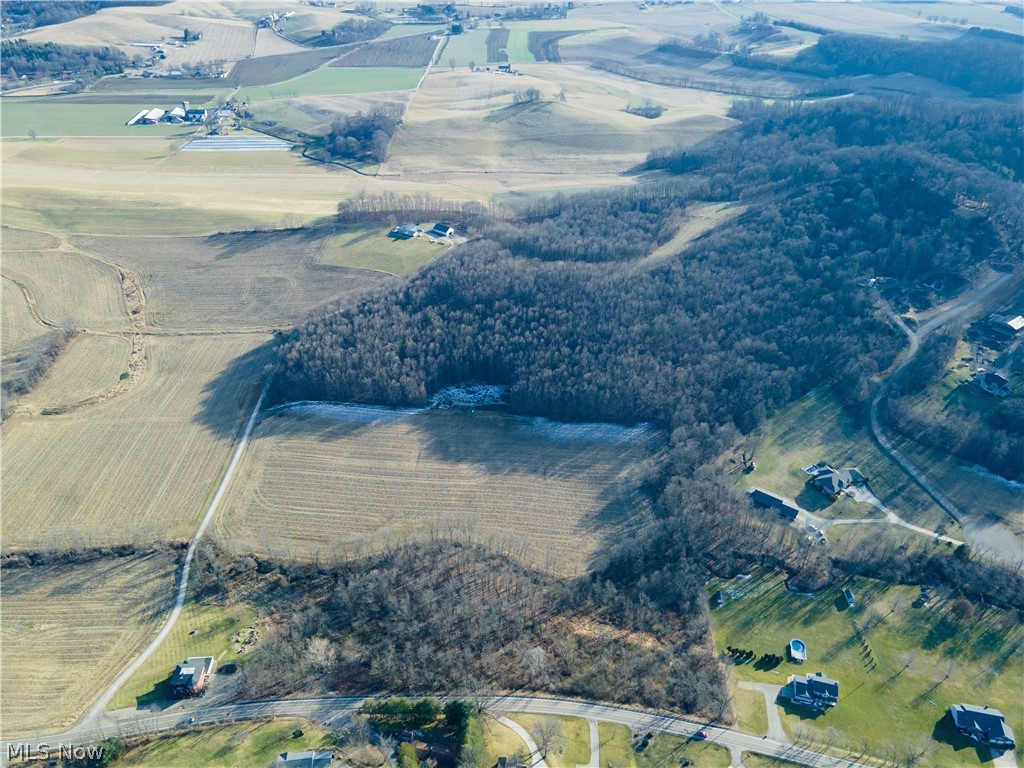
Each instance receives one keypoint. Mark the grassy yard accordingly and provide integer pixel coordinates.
(748, 707)
(242, 745)
(757, 761)
(818, 428)
(201, 630)
(329, 81)
(900, 665)
(502, 742)
(372, 248)
(54, 117)
(664, 750)
(575, 736)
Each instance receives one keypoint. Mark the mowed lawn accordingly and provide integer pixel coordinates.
(372, 248)
(329, 81)
(663, 750)
(900, 665)
(574, 737)
(227, 746)
(54, 117)
(201, 630)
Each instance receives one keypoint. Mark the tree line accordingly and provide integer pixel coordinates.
(363, 136)
(49, 60)
(350, 31)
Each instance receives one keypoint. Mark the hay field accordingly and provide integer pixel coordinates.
(371, 248)
(333, 481)
(68, 629)
(247, 281)
(140, 466)
(90, 365)
(465, 123)
(69, 288)
(225, 36)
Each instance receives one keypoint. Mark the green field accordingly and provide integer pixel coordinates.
(663, 750)
(201, 630)
(53, 117)
(748, 706)
(227, 746)
(818, 428)
(465, 48)
(502, 742)
(882, 699)
(329, 81)
(575, 737)
(371, 248)
(517, 48)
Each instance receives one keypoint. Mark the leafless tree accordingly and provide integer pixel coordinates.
(547, 732)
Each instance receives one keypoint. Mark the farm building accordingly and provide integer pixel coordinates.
(190, 677)
(138, 116)
(989, 383)
(176, 115)
(832, 482)
(442, 230)
(1005, 326)
(195, 115)
(849, 598)
(762, 498)
(983, 725)
(815, 691)
(152, 117)
(406, 231)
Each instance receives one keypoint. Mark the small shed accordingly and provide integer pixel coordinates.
(441, 229)
(849, 598)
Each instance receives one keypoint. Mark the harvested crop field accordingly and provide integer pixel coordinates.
(68, 629)
(409, 51)
(140, 466)
(269, 43)
(325, 480)
(245, 281)
(497, 43)
(544, 45)
(88, 366)
(266, 70)
(331, 81)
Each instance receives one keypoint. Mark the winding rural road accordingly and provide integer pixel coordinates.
(335, 709)
(96, 714)
(949, 312)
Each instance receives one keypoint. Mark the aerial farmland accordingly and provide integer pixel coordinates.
(377, 350)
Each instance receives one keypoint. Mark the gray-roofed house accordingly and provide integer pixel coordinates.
(406, 231)
(834, 481)
(815, 691)
(762, 498)
(313, 758)
(983, 725)
(189, 678)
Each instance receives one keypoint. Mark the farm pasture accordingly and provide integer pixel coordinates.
(137, 467)
(469, 47)
(62, 116)
(68, 629)
(330, 481)
(269, 43)
(245, 281)
(69, 289)
(518, 47)
(329, 81)
(88, 366)
(316, 115)
(371, 248)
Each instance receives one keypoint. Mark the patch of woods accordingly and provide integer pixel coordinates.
(51, 60)
(482, 622)
(350, 31)
(23, 15)
(362, 137)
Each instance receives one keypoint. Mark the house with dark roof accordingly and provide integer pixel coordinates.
(832, 481)
(190, 677)
(786, 508)
(815, 691)
(983, 725)
(988, 383)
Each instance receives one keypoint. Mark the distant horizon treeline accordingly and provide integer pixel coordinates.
(47, 60)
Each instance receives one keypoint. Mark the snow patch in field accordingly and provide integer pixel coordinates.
(590, 432)
(470, 395)
(980, 470)
(349, 413)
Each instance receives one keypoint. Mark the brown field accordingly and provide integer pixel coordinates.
(269, 43)
(334, 481)
(247, 281)
(267, 70)
(544, 45)
(69, 289)
(409, 51)
(68, 629)
(140, 466)
(225, 37)
(463, 124)
(497, 42)
(89, 366)
(17, 325)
